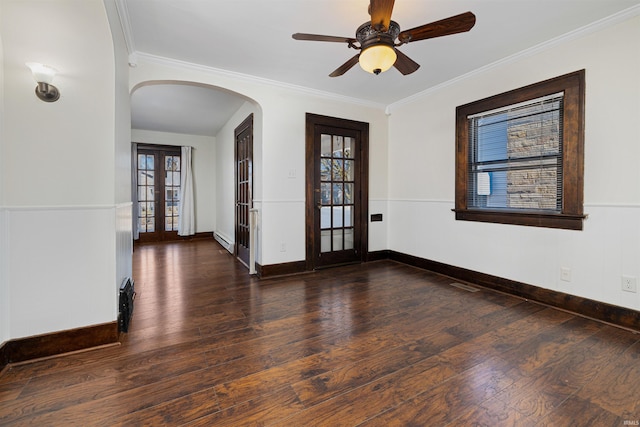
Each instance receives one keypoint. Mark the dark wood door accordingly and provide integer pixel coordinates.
(337, 191)
(244, 187)
(158, 192)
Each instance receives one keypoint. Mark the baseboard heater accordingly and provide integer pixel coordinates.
(125, 304)
(224, 242)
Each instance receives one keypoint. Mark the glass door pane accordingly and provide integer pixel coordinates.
(172, 192)
(337, 201)
(146, 193)
(158, 191)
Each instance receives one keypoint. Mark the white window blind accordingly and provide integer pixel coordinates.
(515, 156)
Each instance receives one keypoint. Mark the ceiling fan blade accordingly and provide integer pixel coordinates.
(345, 67)
(404, 64)
(380, 11)
(320, 38)
(453, 25)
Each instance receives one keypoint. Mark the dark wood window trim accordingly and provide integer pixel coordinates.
(571, 216)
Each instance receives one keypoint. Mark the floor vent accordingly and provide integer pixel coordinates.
(464, 287)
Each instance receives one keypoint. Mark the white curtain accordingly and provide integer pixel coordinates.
(186, 219)
(134, 191)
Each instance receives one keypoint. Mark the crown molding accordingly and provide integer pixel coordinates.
(246, 78)
(125, 24)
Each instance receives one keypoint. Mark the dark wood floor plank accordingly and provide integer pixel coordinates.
(527, 400)
(325, 386)
(109, 409)
(452, 353)
(83, 387)
(380, 343)
(577, 411)
(148, 367)
(240, 368)
(263, 410)
(443, 403)
(10, 391)
(616, 387)
(359, 404)
(180, 411)
(548, 345)
(326, 356)
(306, 361)
(26, 371)
(583, 362)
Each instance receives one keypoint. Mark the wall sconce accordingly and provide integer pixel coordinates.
(43, 75)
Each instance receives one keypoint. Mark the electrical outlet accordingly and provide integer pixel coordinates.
(629, 284)
(565, 274)
(283, 247)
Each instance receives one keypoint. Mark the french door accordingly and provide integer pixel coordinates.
(244, 187)
(336, 191)
(158, 192)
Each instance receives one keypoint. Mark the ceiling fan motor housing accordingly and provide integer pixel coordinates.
(368, 36)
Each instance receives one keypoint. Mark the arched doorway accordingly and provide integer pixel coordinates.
(204, 117)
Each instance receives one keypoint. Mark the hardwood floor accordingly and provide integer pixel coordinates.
(378, 344)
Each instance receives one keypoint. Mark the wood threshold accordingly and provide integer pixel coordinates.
(282, 269)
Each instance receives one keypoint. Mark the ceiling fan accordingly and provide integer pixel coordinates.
(376, 40)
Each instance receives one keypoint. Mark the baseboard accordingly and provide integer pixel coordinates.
(52, 344)
(283, 269)
(197, 236)
(613, 314)
(378, 255)
(297, 267)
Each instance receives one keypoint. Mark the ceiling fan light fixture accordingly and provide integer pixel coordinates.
(377, 58)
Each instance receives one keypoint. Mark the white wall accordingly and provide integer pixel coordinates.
(4, 232)
(122, 152)
(75, 131)
(61, 268)
(203, 162)
(283, 203)
(5, 308)
(279, 146)
(422, 172)
(58, 170)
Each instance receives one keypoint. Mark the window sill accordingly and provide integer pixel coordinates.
(529, 218)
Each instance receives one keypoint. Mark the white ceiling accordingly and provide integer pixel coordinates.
(182, 108)
(253, 37)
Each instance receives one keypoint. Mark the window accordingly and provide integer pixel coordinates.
(519, 157)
